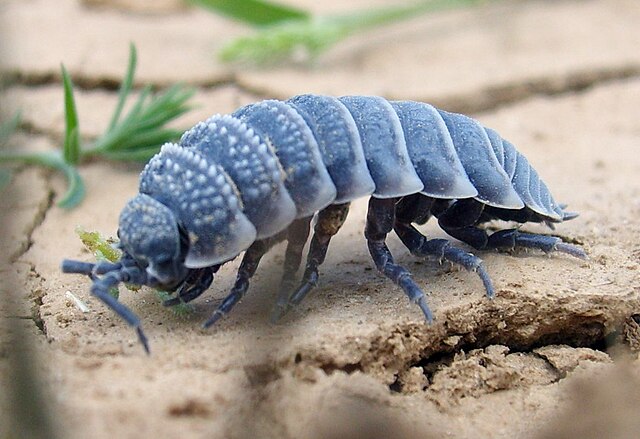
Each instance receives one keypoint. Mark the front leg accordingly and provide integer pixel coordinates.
(247, 269)
(196, 283)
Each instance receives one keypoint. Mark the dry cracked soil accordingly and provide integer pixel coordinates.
(554, 355)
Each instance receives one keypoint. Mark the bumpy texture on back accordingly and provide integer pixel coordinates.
(234, 179)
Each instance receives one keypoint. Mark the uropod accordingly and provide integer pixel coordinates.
(246, 181)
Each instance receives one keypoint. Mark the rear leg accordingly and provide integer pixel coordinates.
(419, 245)
(512, 239)
(460, 221)
(380, 221)
(330, 220)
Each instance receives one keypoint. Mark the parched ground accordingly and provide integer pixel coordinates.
(554, 355)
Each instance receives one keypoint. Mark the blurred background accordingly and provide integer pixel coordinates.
(92, 88)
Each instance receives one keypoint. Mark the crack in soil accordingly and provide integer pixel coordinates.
(84, 82)
(37, 296)
(38, 292)
(497, 96)
(42, 209)
(489, 98)
(487, 347)
(33, 129)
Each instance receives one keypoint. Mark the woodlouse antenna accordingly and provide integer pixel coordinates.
(107, 275)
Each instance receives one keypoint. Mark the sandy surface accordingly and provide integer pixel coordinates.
(554, 355)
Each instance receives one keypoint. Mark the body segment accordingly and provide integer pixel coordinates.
(432, 152)
(284, 130)
(384, 146)
(339, 142)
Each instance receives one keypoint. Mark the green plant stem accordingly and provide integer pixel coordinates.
(136, 136)
(71, 149)
(53, 160)
(255, 12)
(368, 19)
(316, 34)
(126, 86)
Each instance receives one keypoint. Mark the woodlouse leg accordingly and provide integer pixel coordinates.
(330, 220)
(126, 270)
(247, 269)
(419, 245)
(512, 239)
(196, 283)
(297, 235)
(462, 212)
(414, 208)
(100, 289)
(460, 220)
(380, 221)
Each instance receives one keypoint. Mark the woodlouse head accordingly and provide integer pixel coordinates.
(149, 233)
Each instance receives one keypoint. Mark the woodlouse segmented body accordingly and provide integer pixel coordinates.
(246, 181)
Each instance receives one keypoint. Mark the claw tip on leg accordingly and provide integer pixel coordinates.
(572, 250)
(422, 303)
(212, 320)
(486, 280)
(171, 302)
(277, 313)
(143, 340)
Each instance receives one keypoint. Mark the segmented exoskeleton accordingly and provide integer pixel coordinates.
(249, 180)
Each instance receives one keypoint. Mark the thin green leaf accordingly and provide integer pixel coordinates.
(126, 86)
(254, 12)
(102, 248)
(53, 159)
(316, 34)
(156, 137)
(135, 137)
(139, 105)
(154, 119)
(75, 186)
(76, 190)
(282, 41)
(143, 126)
(71, 149)
(137, 151)
(171, 100)
(173, 96)
(112, 138)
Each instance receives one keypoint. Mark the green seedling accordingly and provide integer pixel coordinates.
(285, 33)
(104, 249)
(134, 136)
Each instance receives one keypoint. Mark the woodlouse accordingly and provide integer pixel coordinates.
(246, 181)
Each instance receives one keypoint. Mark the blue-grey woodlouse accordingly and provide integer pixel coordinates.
(249, 180)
